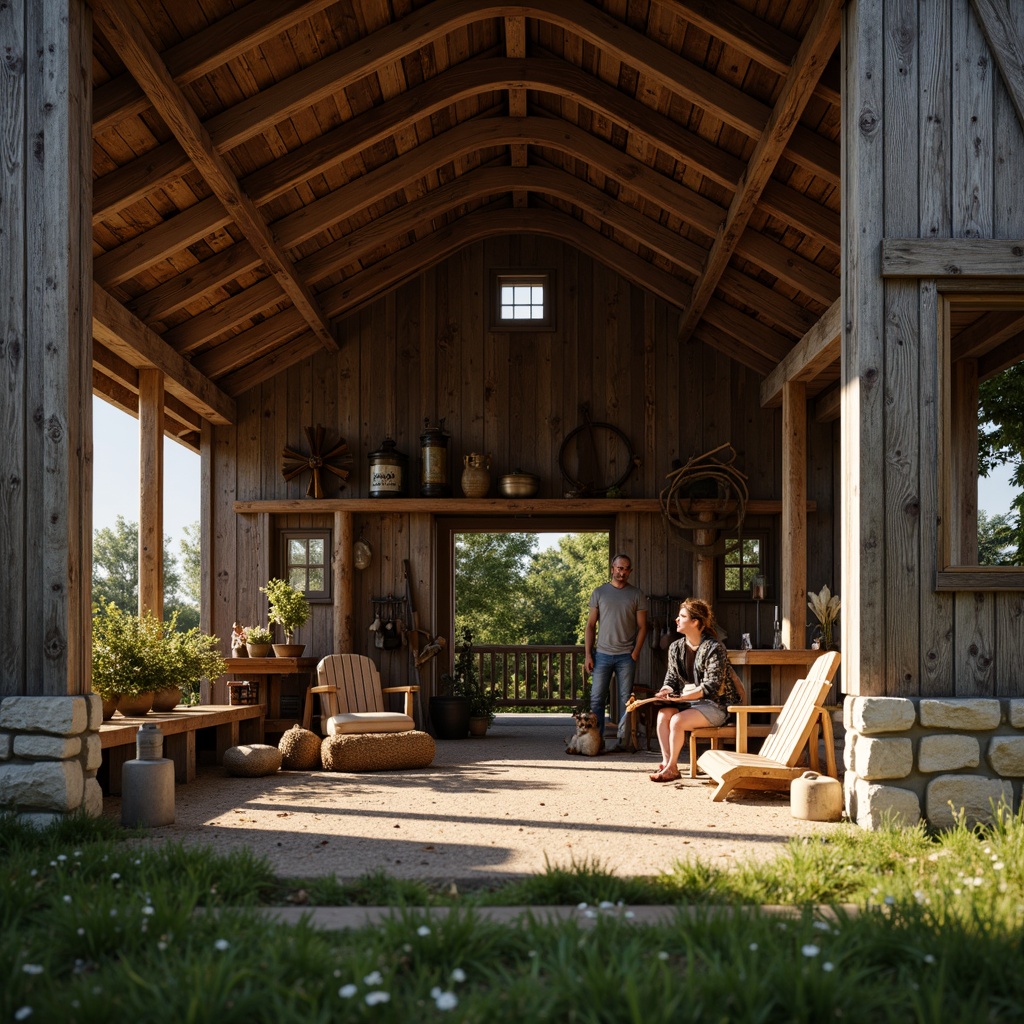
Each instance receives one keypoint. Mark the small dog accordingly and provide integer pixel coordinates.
(587, 739)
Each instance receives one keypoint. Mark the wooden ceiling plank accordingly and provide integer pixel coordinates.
(134, 181)
(126, 336)
(194, 332)
(816, 49)
(201, 53)
(272, 364)
(125, 34)
(747, 330)
(728, 345)
(817, 349)
(799, 273)
(252, 344)
(803, 213)
(788, 315)
(829, 405)
(985, 334)
(212, 273)
(177, 233)
(1001, 358)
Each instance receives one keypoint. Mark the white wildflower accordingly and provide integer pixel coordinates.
(606, 904)
(458, 975)
(116, 876)
(423, 931)
(752, 947)
(446, 1001)
(147, 909)
(810, 949)
(23, 1013)
(32, 968)
(928, 958)
(222, 944)
(373, 998)
(663, 955)
(347, 991)
(373, 978)
(828, 966)
(581, 906)
(67, 899)
(62, 856)
(998, 866)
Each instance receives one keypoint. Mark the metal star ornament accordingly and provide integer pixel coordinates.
(317, 461)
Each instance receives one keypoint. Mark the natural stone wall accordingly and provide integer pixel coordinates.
(49, 756)
(913, 758)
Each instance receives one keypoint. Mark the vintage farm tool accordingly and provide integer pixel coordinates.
(317, 461)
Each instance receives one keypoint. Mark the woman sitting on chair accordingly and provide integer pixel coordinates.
(699, 686)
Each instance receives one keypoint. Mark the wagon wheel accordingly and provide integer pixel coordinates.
(317, 461)
(590, 427)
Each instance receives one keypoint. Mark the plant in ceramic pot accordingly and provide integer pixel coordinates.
(825, 607)
(190, 655)
(459, 693)
(257, 641)
(128, 658)
(290, 609)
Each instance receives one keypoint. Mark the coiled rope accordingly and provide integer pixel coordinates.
(729, 506)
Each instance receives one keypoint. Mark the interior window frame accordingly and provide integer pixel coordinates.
(288, 534)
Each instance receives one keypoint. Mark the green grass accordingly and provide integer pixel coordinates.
(94, 930)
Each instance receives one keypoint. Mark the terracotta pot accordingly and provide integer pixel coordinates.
(167, 700)
(135, 706)
(109, 707)
(288, 650)
(258, 650)
(478, 726)
(476, 477)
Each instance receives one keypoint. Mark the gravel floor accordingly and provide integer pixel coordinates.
(497, 807)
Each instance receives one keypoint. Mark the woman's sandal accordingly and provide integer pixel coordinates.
(660, 776)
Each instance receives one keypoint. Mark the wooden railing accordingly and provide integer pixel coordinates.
(531, 676)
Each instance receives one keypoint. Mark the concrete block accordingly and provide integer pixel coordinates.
(6, 743)
(881, 806)
(44, 785)
(94, 702)
(974, 795)
(848, 749)
(948, 753)
(1006, 755)
(39, 819)
(883, 759)
(35, 747)
(870, 715)
(92, 799)
(1016, 713)
(968, 713)
(62, 716)
(93, 752)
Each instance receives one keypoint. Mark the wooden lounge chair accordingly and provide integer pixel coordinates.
(775, 766)
(739, 732)
(352, 698)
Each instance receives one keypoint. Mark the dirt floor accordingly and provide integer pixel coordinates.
(498, 807)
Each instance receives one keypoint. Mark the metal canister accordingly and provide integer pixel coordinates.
(434, 461)
(387, 471)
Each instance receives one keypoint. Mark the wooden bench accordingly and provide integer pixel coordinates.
(233, 724)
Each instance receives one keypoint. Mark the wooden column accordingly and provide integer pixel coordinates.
(344, 583)
(46, 347)
(963, 462)
(704, 565)
(793, 585)
(151, 492)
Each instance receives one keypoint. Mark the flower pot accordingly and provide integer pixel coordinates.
(136, 705)
(110, 706)
(288, 650)
(258, 650)
(450, 717)
(479, 726)
(167, 699)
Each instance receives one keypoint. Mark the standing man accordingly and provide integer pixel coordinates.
(621, 610)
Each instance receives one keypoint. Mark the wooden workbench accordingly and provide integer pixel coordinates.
(786, 668)
(274, 671)
(233, 725)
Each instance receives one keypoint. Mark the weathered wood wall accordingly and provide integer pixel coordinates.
(45, 348)
(424, 351)
(933, 151)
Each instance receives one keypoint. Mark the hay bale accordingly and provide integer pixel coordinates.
(252, 760)
(300, 750)
(377, 751)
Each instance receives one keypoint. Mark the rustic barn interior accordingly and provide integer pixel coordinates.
(790, 227)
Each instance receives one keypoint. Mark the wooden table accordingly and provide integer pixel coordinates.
(786, 668)
(273, 670)
(233, 725)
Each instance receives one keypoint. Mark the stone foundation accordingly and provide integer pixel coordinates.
(49, 756)
(932, 758)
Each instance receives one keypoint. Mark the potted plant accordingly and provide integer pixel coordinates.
(128, 659)
(189, 656)
(290, 609)
(453, 706)
(257, 641)
(825, 607)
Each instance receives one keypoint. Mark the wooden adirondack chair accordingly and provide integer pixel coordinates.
(775, 766)
(352, 698)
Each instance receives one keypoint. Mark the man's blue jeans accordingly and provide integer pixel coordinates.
(605, 665)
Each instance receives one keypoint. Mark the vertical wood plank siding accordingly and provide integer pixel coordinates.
(934, 151)
(425, 352)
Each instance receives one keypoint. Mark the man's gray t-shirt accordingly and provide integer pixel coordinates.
(616, 617)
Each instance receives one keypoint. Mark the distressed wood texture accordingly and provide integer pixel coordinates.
(931, 190)
(426, 353)
(45, 240)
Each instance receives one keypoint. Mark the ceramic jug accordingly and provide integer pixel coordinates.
(476, 477)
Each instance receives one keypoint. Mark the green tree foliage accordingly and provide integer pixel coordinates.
(115, 574)
(1001, 441)
(997, 540)
(509, 593)
(191, 566)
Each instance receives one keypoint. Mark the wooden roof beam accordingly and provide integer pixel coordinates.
(815, 50)
(817, 349)
(126, 336)
(202, 53)
(986, 333)
(126, 35)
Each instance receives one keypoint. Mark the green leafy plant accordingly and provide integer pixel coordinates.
(190, 656)
(825, 607)
(463, 681)
(129, 654)
(288, 606)
(258, 635)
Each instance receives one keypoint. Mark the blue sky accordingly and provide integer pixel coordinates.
(116, 477)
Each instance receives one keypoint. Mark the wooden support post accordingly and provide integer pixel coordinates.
(704, 565)
(151, 492)
(963, 462)
(793, 585)
(344, 584)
